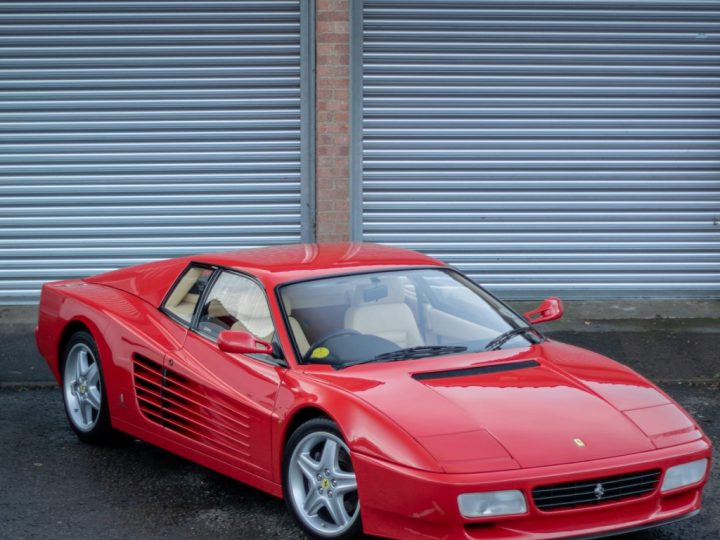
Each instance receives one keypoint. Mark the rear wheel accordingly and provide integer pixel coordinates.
(83, 390)
(319, 481)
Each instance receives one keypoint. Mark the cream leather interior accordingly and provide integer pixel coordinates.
(240, 327)
(449, 326)
(296, 329)
(215, 309)
(251, 313)
(182, 302)
(300, 338)
(388, 317)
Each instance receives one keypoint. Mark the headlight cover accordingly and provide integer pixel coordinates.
(492, 503)
(684, 475)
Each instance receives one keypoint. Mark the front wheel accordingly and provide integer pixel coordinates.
(319, 482)
(83, 390)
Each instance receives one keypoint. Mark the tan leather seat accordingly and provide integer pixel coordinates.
(251, 314)
(239, 326)
(296, 329)
(388, 317)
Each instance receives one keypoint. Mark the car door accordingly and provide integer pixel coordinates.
(220, 403)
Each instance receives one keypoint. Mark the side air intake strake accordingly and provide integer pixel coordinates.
(171, 400)
(148, 379)
(479, 370)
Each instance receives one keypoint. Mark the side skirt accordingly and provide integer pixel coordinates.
(190, 454)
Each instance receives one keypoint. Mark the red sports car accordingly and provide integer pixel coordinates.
(374, 389)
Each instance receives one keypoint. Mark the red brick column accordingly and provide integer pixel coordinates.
(332, 172)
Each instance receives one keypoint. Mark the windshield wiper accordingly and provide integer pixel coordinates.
(503, 338)
(423, 351)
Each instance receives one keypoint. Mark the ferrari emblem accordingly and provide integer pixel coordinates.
(599, 491)
(325, 484)
(579, 442)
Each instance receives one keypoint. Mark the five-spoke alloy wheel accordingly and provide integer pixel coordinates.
(319, 481)
(82, 386)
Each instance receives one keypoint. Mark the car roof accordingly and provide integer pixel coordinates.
(317, 259)
(272, 265)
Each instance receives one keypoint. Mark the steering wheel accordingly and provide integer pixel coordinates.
(337, 333)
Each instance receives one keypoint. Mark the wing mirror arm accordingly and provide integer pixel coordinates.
(551, 309)
(277, 351)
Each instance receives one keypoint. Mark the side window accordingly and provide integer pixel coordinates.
(186, 294)
(236, 303)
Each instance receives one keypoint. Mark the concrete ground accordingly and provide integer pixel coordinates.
(53, 486)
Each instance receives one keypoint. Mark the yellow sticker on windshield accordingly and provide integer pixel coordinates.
(320, 352)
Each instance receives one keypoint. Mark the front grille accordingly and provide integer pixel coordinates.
(595, 491)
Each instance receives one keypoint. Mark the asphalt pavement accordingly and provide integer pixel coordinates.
(53, 486)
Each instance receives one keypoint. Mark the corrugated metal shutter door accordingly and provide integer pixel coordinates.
(137, 130)
(567, 146)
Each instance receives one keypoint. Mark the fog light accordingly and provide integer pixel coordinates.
(684, 475)
(493, 503)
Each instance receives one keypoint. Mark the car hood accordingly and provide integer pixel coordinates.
(547, 404)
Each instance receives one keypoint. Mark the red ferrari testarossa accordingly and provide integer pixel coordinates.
(374, 389)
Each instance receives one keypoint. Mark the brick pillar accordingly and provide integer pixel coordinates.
(332, 172)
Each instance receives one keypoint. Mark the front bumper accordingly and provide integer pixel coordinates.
(399, 502)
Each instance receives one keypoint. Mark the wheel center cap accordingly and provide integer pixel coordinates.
(83, 388)
(325, 484)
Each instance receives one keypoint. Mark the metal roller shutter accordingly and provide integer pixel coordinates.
(570, 147)
(137, 130)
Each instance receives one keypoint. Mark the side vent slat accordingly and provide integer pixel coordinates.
(147, 376)
(199, 433)
(189, 396)
(181, 405)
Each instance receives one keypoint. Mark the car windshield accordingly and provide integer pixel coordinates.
(397, 315)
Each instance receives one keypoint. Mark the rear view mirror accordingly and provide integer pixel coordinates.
(551, 309)
(234, 341)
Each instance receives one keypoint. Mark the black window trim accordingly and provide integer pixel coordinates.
(173, 316)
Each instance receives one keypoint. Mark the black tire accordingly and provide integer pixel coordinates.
(100, 431)
(317, 426)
